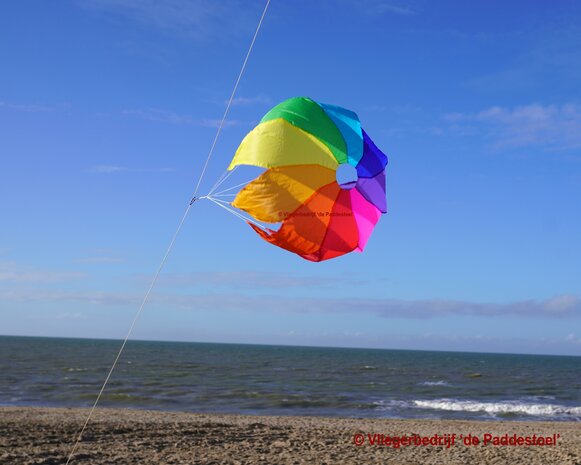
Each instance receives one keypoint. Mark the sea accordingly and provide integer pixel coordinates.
(286, 380)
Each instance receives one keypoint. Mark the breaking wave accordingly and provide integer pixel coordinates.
(502, 408)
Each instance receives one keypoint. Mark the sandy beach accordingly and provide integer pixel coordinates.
(118, 436)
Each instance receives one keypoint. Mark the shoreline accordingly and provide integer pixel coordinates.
(45, 435)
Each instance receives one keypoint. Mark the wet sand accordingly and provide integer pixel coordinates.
(118, 436)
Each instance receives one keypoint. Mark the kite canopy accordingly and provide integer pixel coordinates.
(302, 143)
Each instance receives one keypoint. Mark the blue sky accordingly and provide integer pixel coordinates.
(108, 109)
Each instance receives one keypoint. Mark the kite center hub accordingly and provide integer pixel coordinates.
(346, 176)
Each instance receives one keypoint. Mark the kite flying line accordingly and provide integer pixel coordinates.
(171, 244)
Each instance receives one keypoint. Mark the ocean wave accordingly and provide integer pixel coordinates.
(391, 404)
(507, 407)
(435, 383)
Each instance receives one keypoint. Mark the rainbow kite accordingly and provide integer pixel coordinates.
(302, 144)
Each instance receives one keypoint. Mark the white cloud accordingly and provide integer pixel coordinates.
(569, 306)
(551, 58)
(70, 316)
(261, 100)
(12, 273)
(254, 280)
(551, 127)
(561, 304)
(101, 259)
(160, 115)
(399, 9)
(373, 8)
(32, 107)
(100, 255)
(25, 107)
(110, 169)
(170, 117)
(107, 169)
(197, 19)
(214, 123)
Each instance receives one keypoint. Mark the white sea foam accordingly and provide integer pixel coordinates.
(549, 410)
(391, 404)
(435, 383)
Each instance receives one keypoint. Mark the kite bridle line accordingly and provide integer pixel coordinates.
(179, 228)
(226, 206)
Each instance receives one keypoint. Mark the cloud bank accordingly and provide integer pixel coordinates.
(552, 127)
(565, 306)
